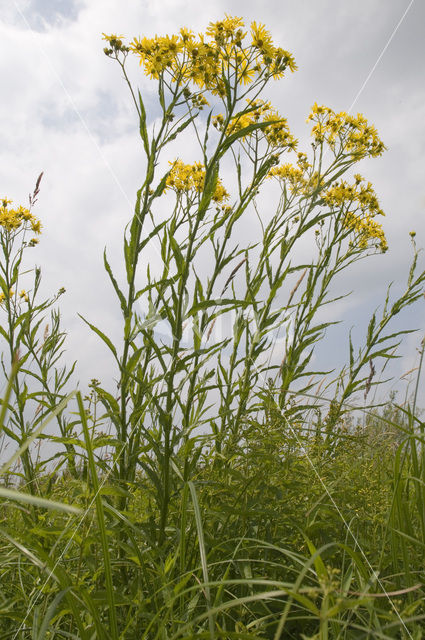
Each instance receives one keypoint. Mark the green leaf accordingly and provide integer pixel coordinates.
(319, 565)
(203, 555)
(142, 124)
(114, 491)
(161, 187)
(152, 234)
(115, 283)
(218, 302)
(178, 255)
(4, 403)
(346, 605)
(47, 618)
(181, 128)
(211, 178)
(101, 335)
(242, 133)
(133, 361)
(28, 498)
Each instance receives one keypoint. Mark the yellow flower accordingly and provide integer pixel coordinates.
(262, 40)
(10, 219)
(245, 70)
(247, 74)
(114, 41)
(3, 297)
(316, 110)
(36, 225)
(24, 213)
(186, 34)
(218, 121)
(285, 57)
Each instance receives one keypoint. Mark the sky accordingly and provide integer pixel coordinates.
(65, 110)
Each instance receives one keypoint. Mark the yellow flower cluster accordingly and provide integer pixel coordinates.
(212, 59)
(23, 295)
(276, 133)
(191, 178)
(358, 200)
(13, 219)
(361, 193)
(344, 132)
(294, 176)
(367, 229)
(362, 206)
(3, 297)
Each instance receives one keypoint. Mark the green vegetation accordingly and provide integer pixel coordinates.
(223, 488)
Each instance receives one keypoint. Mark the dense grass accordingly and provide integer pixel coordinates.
(213, 485)
(287, 537)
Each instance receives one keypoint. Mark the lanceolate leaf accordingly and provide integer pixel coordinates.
(105, 338)
(115, 284)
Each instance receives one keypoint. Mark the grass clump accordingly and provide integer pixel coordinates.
(216, 492)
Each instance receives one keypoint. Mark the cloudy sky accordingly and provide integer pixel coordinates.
(66, 111)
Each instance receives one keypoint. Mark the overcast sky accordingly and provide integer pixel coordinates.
(66, 111)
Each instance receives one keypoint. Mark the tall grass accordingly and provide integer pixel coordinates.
(234, 493)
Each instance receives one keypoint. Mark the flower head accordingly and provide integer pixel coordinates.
(262, 40)
(190, 178)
